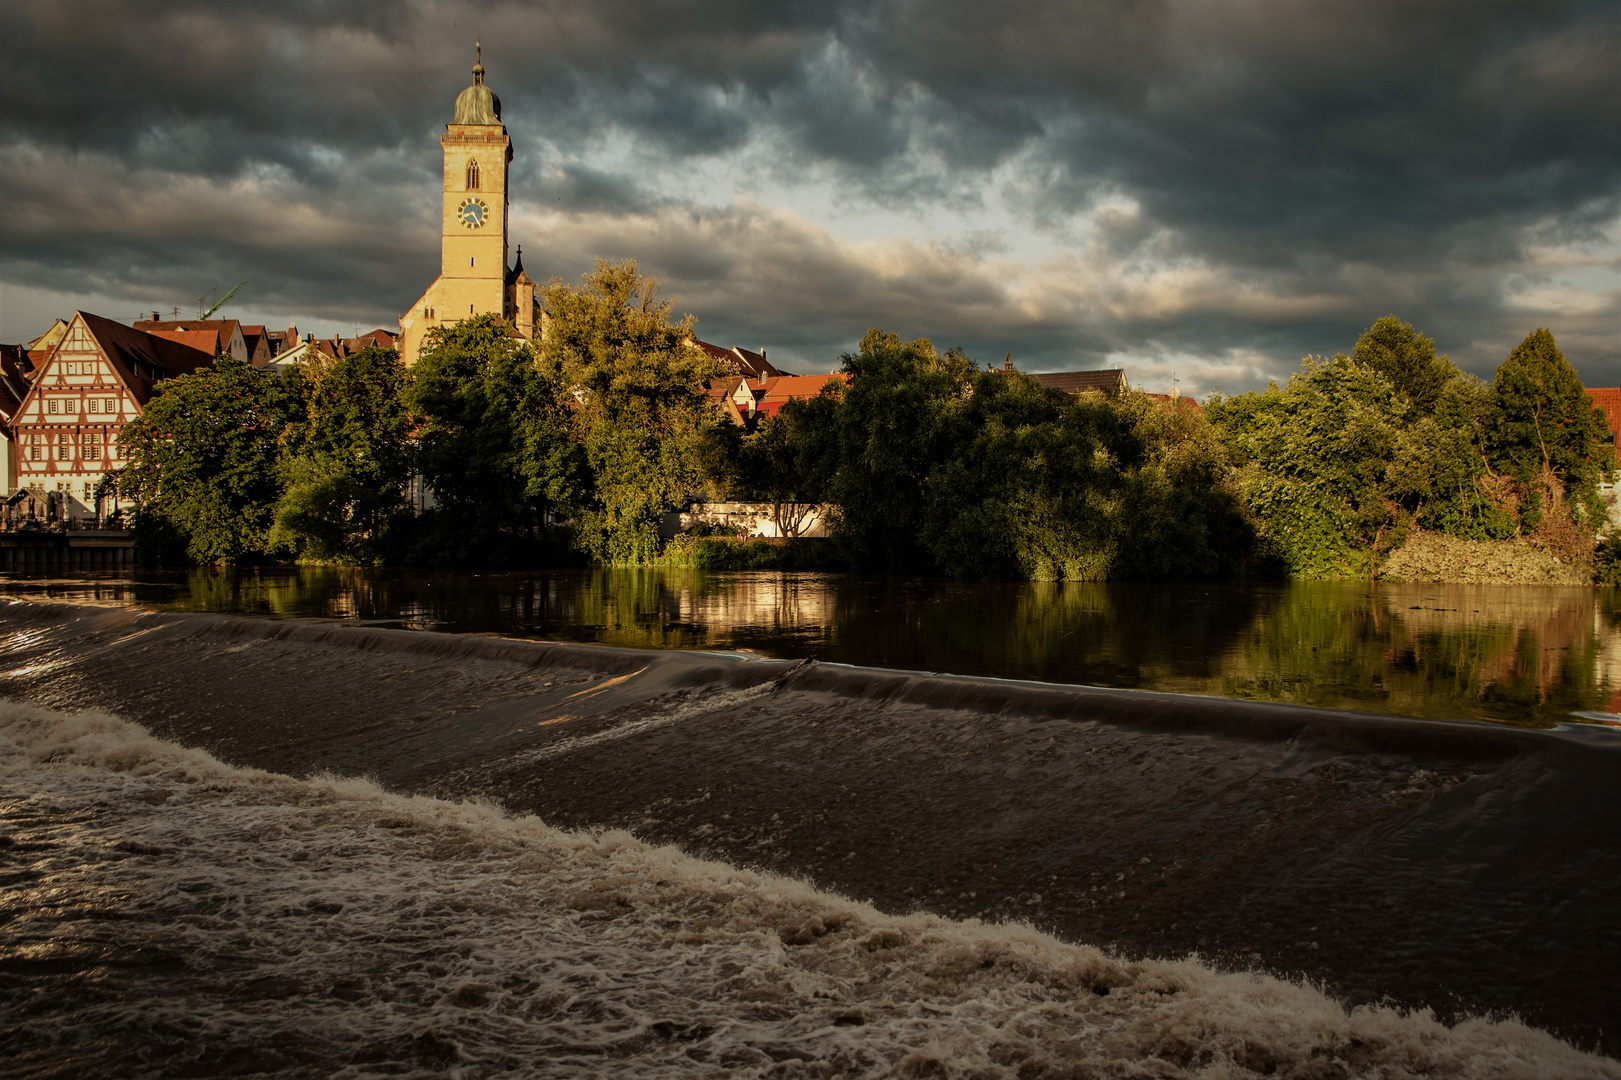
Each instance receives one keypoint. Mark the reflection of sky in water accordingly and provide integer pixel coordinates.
(1521, 654)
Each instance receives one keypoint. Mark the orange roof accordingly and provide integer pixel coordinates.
(206, 340)
(785, 388)
(142, 358)
(1608, 398)
(796, 386)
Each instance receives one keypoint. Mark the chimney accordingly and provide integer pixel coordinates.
(154, 316)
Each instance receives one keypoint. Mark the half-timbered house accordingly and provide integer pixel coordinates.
(96, 379)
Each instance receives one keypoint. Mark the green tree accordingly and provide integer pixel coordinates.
(1407, 358)
(1180, 514)
(902, 412)
(938, 465)
(642, 413)
(1546, 425)
(769, 467)
(493, 442)
(1313, 460)
(1029, 485)
(1440, 471)
(202, 463)
(346, 457)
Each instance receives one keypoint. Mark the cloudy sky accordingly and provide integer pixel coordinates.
(1204, 189)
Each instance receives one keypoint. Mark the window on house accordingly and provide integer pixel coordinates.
(92, 446)
(70, 406)
(95, 405)
(53, 405)
(472, 176)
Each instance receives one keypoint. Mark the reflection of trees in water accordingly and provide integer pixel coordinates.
(1526, 654)
(1115, 635)
(1530, 655)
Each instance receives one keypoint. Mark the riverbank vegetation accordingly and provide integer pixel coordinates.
(573, 451)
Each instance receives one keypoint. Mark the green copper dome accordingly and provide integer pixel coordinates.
(478, 103)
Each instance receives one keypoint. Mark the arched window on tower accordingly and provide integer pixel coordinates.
(472, 176)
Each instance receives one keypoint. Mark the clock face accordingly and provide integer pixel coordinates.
(473, 213)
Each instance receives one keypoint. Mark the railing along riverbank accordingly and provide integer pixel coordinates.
(76, 544)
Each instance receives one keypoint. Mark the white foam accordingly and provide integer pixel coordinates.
(327, 927)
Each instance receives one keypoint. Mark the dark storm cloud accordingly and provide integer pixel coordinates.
(1321, 163)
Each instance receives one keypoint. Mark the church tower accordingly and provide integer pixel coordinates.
(473, 242)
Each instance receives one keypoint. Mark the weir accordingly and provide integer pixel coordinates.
(1461, 866)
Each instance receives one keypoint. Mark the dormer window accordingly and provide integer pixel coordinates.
(472, 176)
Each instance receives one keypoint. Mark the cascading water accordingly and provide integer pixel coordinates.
(361, 892)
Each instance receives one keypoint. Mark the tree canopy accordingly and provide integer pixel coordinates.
(940, 466)
(1406, 358)
(641, 411)
(345, 457)
(492, 432)
(202, 463)
(932, 463)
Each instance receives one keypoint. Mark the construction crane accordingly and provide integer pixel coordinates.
(222, 302)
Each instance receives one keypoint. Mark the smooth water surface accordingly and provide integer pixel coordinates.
(1526, 655)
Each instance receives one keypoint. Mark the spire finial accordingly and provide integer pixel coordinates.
(478, 67)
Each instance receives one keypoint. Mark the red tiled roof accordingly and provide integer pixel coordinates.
(206, 340)
(1107, 380)
(751, 364)
(224, 327)
(779, 391)
(1608, 398)
(131, 350)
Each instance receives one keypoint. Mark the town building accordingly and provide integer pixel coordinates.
(96, 379)
(217, 337)
(15, 364)
(776, 392)
(742, 400)
(1104, 381)
(751, 365)
(41, 347)
(282, 340)
(475, 239)
(474, 230)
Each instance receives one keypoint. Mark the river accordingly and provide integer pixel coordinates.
(1531, 655)
(674, 824)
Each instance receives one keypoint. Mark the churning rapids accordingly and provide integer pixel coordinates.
(243, 847)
